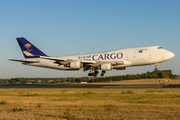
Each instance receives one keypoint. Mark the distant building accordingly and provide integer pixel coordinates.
(51, 81)
(178, 76)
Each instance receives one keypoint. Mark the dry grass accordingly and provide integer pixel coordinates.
(149, 81)
(141, 82)
(72, 104)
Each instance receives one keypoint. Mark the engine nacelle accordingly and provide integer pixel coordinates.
(121, 68)
(76, 64)
(107, 66)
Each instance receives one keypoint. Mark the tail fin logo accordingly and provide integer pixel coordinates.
(27, 46)
(27, 52)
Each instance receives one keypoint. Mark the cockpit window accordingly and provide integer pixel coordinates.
(160, 48)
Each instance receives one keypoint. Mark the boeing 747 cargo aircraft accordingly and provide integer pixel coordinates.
(105, 61)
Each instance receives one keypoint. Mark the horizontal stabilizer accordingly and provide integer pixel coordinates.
(25, 61)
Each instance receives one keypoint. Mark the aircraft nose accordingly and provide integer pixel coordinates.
(169, 55)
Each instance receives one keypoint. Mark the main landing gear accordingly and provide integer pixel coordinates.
(103, 72)
(155, 69)
(94, 72)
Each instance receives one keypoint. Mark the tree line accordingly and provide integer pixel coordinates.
(148, 75)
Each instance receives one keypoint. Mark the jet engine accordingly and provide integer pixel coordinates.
(75, 64)
(106, 66)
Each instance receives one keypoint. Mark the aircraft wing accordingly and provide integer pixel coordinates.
(64, 61)
(56, 60)
(86, 64)
(52, 58)
(92, 63)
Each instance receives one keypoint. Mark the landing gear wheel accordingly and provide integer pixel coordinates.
(95, 75)
(90, 74)
(103, 72)
(155, 69)
(93, 72)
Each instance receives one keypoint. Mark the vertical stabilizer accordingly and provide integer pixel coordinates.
(28, 49)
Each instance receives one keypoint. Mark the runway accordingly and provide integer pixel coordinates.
(84, 86)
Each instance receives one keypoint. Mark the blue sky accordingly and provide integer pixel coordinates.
(68, 27)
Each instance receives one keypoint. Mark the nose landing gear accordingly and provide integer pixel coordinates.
(156, 69)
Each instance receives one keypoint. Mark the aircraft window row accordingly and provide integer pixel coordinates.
(140, 51)
(160, 48)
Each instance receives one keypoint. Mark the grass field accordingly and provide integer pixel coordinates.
(148, 81)
(142, 82)
(107, 104)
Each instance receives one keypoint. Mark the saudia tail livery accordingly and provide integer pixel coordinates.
(116, 59)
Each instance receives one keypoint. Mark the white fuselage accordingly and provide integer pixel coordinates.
(136, 56)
